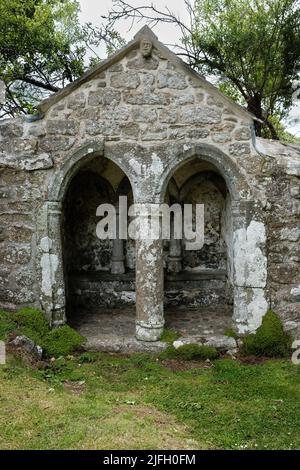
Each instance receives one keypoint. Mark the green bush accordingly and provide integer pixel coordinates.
(190, 352)
(270, 339)
(61, 341)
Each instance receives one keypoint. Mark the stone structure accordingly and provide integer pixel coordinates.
(143, 124)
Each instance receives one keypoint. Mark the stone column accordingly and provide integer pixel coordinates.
(249, 267)
(149, 281)
(175, 253)
(117, 260)
(51, 264)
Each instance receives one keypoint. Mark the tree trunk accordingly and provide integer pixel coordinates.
(272, 129)
(254, 106)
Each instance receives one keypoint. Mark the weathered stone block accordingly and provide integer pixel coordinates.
(121, 113)
(168, 115)
(173, 80)
(183, 99)
(198, 133)
(143, 63)
(147, 98)
(144, 114)
(130, 130)
(107, 127)
(114, 68)
(221, 138)
(27, 345)
(56, 143)
(37, 130)
(147, 79)
(16, 233)
(76, 101)
(15, 254)
(65, 127)
(105, 97)
(243, 133)
(155, 133)
(19, 146)
(125, 80)
(42, 161)
(213, 101)
(290, 234)
(200, 115)
(11, 129)
(239, 150)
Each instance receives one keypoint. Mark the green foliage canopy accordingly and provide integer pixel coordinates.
(41, 50)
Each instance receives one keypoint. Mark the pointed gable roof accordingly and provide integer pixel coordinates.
(144, 32)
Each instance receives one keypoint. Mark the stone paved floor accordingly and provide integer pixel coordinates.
(113, 329)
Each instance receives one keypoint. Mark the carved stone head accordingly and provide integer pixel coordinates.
(146, 48)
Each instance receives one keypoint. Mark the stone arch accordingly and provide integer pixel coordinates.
(215, 179)
(49, 250)
(65, 173)
(235, 179)
(246, 234)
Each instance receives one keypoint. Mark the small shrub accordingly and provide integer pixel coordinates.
(190, 352)
(169, 336)
(270, 339)
(62, 341)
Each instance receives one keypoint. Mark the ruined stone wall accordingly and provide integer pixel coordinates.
(280, 179)
(147, 115)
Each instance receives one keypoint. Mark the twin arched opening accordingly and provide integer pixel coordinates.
(100, 273)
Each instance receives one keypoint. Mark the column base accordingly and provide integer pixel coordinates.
(117, 267)
(148, 332)
(58, 318)
(174, 264)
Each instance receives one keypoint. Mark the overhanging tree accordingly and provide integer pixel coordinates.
(41, 50)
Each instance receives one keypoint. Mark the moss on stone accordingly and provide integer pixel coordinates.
(270, 339)
(31, 322)
(169, 336)
(61, 341)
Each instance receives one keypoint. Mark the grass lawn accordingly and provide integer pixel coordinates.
(139, 402)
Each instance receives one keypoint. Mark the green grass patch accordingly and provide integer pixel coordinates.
(136, 402)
